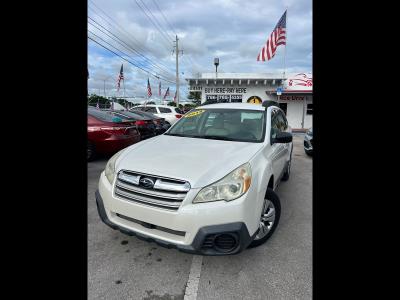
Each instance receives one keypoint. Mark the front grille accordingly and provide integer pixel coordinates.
(225, 242)
(151, 190)
(152, 226)
(208, 241)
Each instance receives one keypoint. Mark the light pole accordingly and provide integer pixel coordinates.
(104, 85)
(216, 63)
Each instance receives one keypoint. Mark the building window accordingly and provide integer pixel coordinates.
(283, 106)
(309, 109)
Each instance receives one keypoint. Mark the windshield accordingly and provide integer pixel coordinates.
(222, 124)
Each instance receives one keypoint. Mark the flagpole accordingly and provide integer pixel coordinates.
(284, 54)
(123, 81)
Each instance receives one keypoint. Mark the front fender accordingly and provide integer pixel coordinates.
(261, 168)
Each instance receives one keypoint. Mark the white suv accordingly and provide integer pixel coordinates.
(207, 185)
(171, 114)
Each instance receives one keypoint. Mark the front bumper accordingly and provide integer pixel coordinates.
(203, 243)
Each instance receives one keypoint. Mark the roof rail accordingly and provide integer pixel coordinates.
(269, 103)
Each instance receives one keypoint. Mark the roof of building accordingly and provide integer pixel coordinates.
(241, 76)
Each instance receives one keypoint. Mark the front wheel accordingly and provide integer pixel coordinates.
(90, 151)
(269, 219)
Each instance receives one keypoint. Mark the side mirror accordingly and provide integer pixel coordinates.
(282, 137)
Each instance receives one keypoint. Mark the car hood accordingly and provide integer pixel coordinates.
(199, 161)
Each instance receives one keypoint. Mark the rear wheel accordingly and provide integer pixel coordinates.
(269, 219)
(91, 153)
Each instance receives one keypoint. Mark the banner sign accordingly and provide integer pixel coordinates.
(225, 98)
(229, 90)
(290, 98)
(195, 88)
(300, 81)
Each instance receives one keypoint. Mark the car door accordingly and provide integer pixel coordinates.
(285, 127)
(279, 150)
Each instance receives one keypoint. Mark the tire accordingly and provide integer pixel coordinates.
(273, 199)
(91, 153)
(286, 175)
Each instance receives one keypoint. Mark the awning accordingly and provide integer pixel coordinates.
(293, 92)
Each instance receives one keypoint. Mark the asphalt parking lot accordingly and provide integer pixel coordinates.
(124, 267)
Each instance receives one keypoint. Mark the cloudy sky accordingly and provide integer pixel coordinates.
(143, 31)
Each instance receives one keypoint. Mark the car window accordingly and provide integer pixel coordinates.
(179, 111)
(223, 124)
(282, 121)
(276, 124)
(149, 109)
(164, 110)
(101, 115)
(128, 115)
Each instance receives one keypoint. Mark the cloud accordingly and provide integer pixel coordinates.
(233, 30)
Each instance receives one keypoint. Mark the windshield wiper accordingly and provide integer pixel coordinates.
(177, 134)
(215, 137)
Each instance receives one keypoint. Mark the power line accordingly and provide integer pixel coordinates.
(166, 21)
(128, 46)
(123, 31)
(155, 19)
(155, 25)
(126, 54)
(146, 71)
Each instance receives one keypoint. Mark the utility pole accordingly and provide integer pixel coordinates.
(104, 88)
(177, 71)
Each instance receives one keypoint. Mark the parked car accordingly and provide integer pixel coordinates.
(171, 114)
(202, 187)
(108, 134)
(308, 142)
(161, 125)
(117, 106)
(145, 125)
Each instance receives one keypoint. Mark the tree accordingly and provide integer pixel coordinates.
(195, 97)
(93, 99)
(172, 103)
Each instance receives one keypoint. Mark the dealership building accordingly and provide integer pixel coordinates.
(294, 94)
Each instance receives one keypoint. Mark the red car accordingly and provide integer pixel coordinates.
(108, 134)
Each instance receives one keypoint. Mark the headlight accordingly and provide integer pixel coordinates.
(231, 187)
(110, 167)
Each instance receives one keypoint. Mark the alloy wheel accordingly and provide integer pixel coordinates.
(267, 219)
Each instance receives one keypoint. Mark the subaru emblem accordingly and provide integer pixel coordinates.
(146, 182)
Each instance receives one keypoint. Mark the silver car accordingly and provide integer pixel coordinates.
(308, 142)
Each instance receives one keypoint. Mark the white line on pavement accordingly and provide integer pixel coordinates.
(194, 278)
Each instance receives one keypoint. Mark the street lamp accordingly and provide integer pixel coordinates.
(216, 63)
(104, 85)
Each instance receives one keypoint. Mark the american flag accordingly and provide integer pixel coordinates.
(149, 94)
(166, 93)
(120, 77)
(175, 97)
(277, 38)
(159, 89)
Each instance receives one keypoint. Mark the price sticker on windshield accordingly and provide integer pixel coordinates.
(194, 113)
